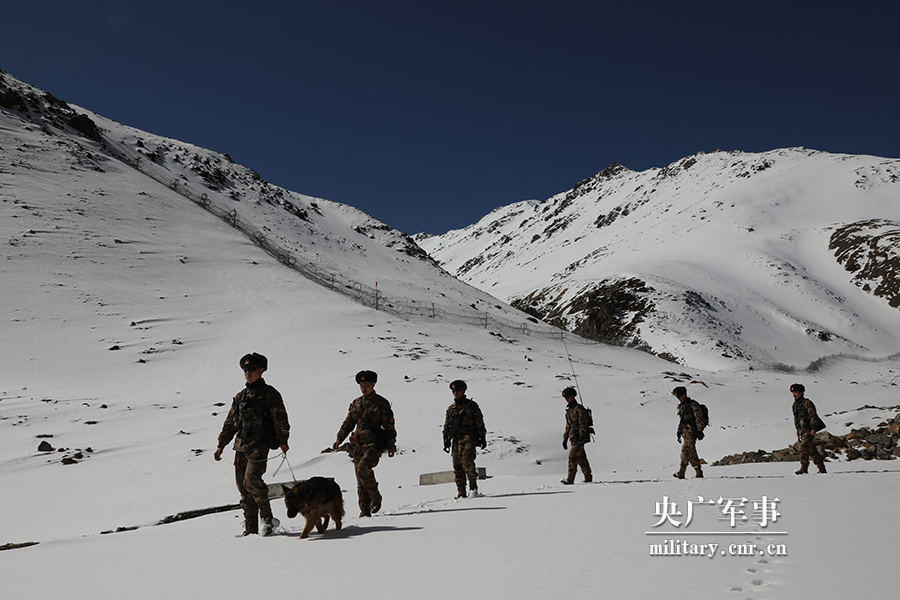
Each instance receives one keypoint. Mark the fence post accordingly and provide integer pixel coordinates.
(351, 288)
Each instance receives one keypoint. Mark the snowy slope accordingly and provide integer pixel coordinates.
(125, 308)
(327, 237)
(777, 257)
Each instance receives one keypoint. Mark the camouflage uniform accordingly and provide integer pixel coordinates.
(256, 421)
(463, 431)
(689, 414)
(374, 422)
(577, 434)
(805, 420)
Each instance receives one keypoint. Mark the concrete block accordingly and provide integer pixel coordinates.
(446, 477)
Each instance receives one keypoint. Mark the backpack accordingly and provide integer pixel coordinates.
(801, 414)
(703, 421)
(590, 422)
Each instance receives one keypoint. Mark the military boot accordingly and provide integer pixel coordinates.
(699, 473)
(473, 490)
(251, 527)
(365, 503)
(803, 470)
(269, 525)
(680, 473)
(588, 478)
(376, 501)
(821, 468)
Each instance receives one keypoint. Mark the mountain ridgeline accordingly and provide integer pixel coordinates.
(718, 257)
(71, 151)
(781, 257)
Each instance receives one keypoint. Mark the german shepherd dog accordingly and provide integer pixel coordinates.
(316, 499)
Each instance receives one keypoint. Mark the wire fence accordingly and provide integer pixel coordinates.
(407, 307)
(338, 282)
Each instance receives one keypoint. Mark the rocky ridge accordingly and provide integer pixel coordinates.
(866, 443)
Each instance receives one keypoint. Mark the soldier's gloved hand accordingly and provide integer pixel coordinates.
(679, 439)
(447, 449)
(483, 444)
(699, 435)
(565, 445)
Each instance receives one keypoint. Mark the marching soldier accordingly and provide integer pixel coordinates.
(258, 422)
(578, 433)
(690, 427)
(373, 419)
(463, 430)
(807, 423)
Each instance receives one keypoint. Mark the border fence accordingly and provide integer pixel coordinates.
(407, 307)
(338, 282)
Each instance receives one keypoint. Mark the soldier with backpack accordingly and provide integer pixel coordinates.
(373, 419)
(807, 423)
(464, 430)
(579, 427)
(692, 419)
(258, 423)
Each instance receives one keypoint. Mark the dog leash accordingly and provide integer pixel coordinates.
(285, 460)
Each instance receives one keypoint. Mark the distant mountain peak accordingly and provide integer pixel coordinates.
(715, 258)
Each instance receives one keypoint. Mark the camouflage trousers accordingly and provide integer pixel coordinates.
(248, 472)
(809, 449)
(578, 458)
(463, 455)
(689, 452)
(365, 460)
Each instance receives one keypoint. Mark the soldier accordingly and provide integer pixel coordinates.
(258, 422)
(374, 421)
(463, 430)
(690, 427)
(807, 423)
(578, 432)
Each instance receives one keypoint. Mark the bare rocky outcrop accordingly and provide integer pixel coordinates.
(880, 443)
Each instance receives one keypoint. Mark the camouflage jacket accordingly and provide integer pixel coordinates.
(805, 416)
(464, 422)
(374, 422)
(689, 414)
(576, 424)
(257, 419)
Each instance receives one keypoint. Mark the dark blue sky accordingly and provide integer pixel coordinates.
(428, 115)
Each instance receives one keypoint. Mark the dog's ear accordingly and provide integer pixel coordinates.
(285, 488)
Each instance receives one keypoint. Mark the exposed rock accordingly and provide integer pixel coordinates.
(865, 443)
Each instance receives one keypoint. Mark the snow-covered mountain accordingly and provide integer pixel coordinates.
(777, 257)
(325, 240)
(126, 305)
